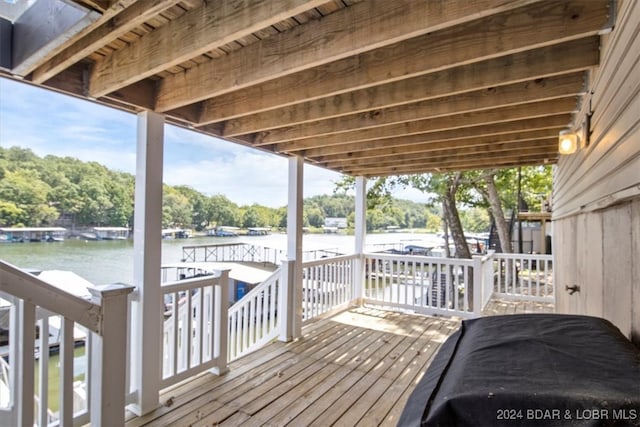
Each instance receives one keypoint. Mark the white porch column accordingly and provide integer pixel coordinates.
(147, 247)
(360, 236)
(292, 286)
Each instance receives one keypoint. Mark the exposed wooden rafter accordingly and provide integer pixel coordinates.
(364, 87)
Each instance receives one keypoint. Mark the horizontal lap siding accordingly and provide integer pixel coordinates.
(596, 199)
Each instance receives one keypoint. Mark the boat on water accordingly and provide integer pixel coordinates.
(224, 231)
(177, 233)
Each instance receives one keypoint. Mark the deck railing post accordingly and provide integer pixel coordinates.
(478, 287)
(286, 311)
(109, 355)
(221, 322)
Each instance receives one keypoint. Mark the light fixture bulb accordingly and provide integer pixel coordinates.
(567, 142)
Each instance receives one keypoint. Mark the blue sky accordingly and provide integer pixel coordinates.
(51, 123)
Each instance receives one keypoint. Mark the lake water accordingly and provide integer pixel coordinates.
(111, 261)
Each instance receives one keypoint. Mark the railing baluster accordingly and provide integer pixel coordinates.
(173, 351)
(66, 372)
(24, 350)
(43, 371)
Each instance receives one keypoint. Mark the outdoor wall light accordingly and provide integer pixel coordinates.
(567, 142)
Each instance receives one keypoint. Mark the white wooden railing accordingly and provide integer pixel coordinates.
(246, 252)
(327, 285)
(522, 276)
(195, 327)
(254, 320)
(427, 285)
(33, 303)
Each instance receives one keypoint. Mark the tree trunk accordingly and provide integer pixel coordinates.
(497, 213)
(445, 230)
(453, 219)
(457, 233)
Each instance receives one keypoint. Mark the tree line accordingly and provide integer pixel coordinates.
(459, 194)
(65, 191)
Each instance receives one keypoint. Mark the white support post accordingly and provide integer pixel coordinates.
(360, 237)
(292, 286)
(478, 287)
(109, 356)
(147, 318)
(221, 313)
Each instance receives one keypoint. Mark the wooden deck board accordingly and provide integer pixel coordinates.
(356, 368)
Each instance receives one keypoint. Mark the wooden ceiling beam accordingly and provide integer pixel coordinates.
(109, 30)
(477, 163)
(457, 121)
(507, 33)
(428, 148)
(352, 30)
(552, 122)
(495, 97)
(444, 161)
(550, 61)
(200, 30)
(506, 149)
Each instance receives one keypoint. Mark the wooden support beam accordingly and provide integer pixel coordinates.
(429, 148)
(450, 154)
(444, 162)
(551, 61)
(479, 163)
(457, 121)
(361, 27)
(552, 122)
(111, 29)
(495, 97)
(214, 24)
(532, 27)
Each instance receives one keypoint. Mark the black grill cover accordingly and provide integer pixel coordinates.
(530, 370)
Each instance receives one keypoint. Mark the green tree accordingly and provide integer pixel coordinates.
(11, 215)
(28, 193)
(315, 216)
(199, 206)
(475, 219)
(176, 209)
(222, 211)
(252, 217)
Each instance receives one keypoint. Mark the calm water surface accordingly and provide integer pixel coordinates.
(111, 261)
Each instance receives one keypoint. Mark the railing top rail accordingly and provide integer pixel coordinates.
(522, 256)
(191, 283)
(328, 260)
(28, 287)
(420, 258)
(210, 245)
(256, 290)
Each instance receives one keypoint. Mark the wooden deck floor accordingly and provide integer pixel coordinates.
(356, 368)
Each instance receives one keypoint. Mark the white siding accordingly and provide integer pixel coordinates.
(596, 200)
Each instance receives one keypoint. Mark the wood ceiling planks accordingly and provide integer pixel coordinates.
(363, 87)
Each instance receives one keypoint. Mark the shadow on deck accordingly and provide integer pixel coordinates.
(355, 368)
